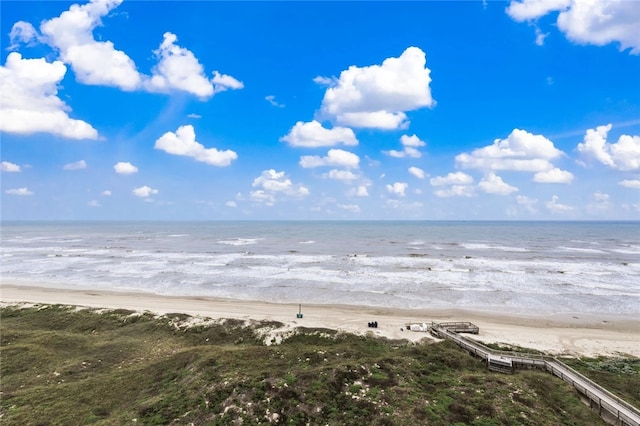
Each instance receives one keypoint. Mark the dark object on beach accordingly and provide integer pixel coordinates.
(299, 314)
(373, 324)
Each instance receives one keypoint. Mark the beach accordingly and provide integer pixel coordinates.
(567, 335)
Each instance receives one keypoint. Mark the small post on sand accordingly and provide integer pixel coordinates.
(299, 314)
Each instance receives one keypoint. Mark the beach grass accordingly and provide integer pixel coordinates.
(62, 365)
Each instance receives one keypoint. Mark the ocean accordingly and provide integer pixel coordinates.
(540, 268)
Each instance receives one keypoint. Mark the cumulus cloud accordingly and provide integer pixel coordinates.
(93, 62)
(183, 142)
(493, 184)
(19, 191)
(621, 155)
(231, 204)
(457, 178)
(360, 191)
(179, 69)
(106, 193)
(459, 185)
(410, 145)
(417, 172)
(398, 188)
(93, 203)
(22, 33)
(100, 63)
(520, 151)
(78, 165)
(630, 183)
(456, 191)
(554, 175)
(271, 183)
(334, 158)
(343, 175)
(378, 96)
(144, 191)
(313, 135)
(8, 167)
(30, 103)
(555, 207)
(125, 168)
(587, 22)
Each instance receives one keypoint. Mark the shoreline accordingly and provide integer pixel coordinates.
(570, 335)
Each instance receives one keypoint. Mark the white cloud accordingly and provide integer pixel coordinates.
(457, 178)
(192, 115)
(554, 175)
(8, 167)
(459, 185)
(456, 191)
(313, 135)
(587, 21)
(22, 33)
(526, 10)
(125, 168)
(100, 63)
(335, 158)
(353, 208)
(410, 146)
(30, 103)
(398, 188)
(540, 36)
(378, 96)
(222, 82)
(93, 203)
(231, 204)
(144, 191)
(178, 68)
(627, 183)
(272, 100)
(417, 172)
(622, 155)
(325, 81)
(493, 184)
(78, 165)
(528, 203)
(106, 193)
(93, 62)
(343, 175)
(521, 151)
(555, 207)
(360, 191)
(263, 197)
(270, 183)
(183, 142)
(19, 191)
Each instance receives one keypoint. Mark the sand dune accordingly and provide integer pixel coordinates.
(568, 335)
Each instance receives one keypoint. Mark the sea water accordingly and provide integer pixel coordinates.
(512, 267)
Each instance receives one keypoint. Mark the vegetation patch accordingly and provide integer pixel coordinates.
(62, 365)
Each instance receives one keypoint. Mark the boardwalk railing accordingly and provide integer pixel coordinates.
(610, 407)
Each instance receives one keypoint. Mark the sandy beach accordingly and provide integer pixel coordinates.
(573, 335)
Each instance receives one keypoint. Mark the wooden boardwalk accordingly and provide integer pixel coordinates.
(611, 408)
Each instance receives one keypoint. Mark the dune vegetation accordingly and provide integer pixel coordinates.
(62, 365)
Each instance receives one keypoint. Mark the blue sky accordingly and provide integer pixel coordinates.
(145, 110)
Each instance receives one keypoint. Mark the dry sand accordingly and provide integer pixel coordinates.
(569, 335)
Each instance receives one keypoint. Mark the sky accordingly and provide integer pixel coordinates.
(207, 110)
